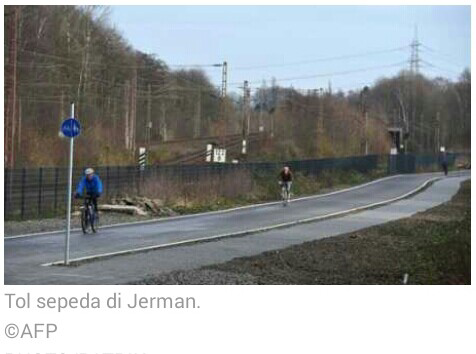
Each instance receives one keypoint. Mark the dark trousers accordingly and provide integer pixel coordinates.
(445, 167)
(94, 200)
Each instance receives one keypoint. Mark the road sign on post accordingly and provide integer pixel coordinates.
(219, 155)
(70, 128)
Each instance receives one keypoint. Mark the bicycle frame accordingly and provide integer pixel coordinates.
(88, 215)
(285, 192)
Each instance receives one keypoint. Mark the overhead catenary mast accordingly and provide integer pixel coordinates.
(224, 74)
(415, 55)
(414, 71)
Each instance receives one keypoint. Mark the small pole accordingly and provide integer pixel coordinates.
(56, 189)
(70, 185)
(366, 134)
(40, 187)
(107, 182)
(23, 177)
(437, 132)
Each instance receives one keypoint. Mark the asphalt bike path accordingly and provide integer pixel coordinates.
(25, 257)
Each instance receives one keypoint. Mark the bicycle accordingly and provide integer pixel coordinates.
(285, 192)
(89, 216)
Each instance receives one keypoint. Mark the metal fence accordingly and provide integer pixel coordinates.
(410, 163)
(42, 192)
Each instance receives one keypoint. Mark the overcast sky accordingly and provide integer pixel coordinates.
(302, 46)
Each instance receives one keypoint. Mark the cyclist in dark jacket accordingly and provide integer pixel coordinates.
(286, 180)
(286, 174)
(93, 186)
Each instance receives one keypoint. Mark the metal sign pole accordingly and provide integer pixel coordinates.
(70, 185)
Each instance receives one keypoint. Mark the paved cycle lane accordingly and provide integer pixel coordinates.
(24, 256)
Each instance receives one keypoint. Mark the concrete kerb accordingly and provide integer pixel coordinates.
(80, 260)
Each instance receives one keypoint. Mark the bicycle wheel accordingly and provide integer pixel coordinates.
(94, 219)
(284, 196)
(84, 220)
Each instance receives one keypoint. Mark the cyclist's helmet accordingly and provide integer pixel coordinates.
(88, 171)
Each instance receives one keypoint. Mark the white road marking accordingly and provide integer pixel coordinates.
(73, 275)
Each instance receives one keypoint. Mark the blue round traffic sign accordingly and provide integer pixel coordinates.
(70, 127)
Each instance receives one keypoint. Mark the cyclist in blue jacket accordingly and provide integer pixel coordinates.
(93, 185)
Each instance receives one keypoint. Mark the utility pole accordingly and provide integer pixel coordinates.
(437, 132)
(260, 119)
(19, 128)
(224, 78)
(414, 57)
(133, 114)
(320, 119)
(414, 71)
(366, 117)
(246, 117)
(126, 114)
(111, 134)
(198, 113)
(162, 125)
(148, 124)
(246, 110)
(114, 121)
(61, 109)
(223, 115)
(11, 90)
(363, 97)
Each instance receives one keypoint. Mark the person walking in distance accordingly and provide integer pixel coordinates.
(444, 163)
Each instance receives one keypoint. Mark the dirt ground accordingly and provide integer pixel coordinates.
(432, 247)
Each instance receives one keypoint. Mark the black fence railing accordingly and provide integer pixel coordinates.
(41, 192)
(410, 163)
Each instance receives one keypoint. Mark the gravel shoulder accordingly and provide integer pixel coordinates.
(432, 247)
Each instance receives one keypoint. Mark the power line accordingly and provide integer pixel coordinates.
(194, 65)
(129, 66)
(342, 57)
(436, 53)
(336, 73)
(436, 67)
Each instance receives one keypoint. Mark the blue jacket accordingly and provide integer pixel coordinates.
(92, 187)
